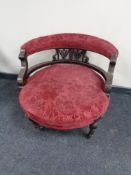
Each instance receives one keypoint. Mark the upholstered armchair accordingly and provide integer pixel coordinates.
(67, 92)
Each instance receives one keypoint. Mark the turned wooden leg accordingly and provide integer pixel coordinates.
(92, 129)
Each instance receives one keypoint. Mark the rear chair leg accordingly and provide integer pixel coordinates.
(92, 129)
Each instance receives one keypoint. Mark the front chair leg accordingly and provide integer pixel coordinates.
(92, 128)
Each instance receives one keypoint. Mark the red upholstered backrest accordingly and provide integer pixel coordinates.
(70, 40)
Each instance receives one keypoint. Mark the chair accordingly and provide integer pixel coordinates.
(67, 92)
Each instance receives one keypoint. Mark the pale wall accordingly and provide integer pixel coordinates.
(21, 20)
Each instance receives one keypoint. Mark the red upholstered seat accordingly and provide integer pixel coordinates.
(64, 96)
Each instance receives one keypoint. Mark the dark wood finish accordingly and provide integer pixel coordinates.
(71, 54)
(92, 129)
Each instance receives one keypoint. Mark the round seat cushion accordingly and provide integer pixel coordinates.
(64, 96)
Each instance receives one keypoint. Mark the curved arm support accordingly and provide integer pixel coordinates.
(21, 79)
(108, 83)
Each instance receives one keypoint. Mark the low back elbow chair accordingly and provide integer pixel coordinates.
(67, 92)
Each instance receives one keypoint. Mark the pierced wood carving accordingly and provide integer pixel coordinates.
(70, 55)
